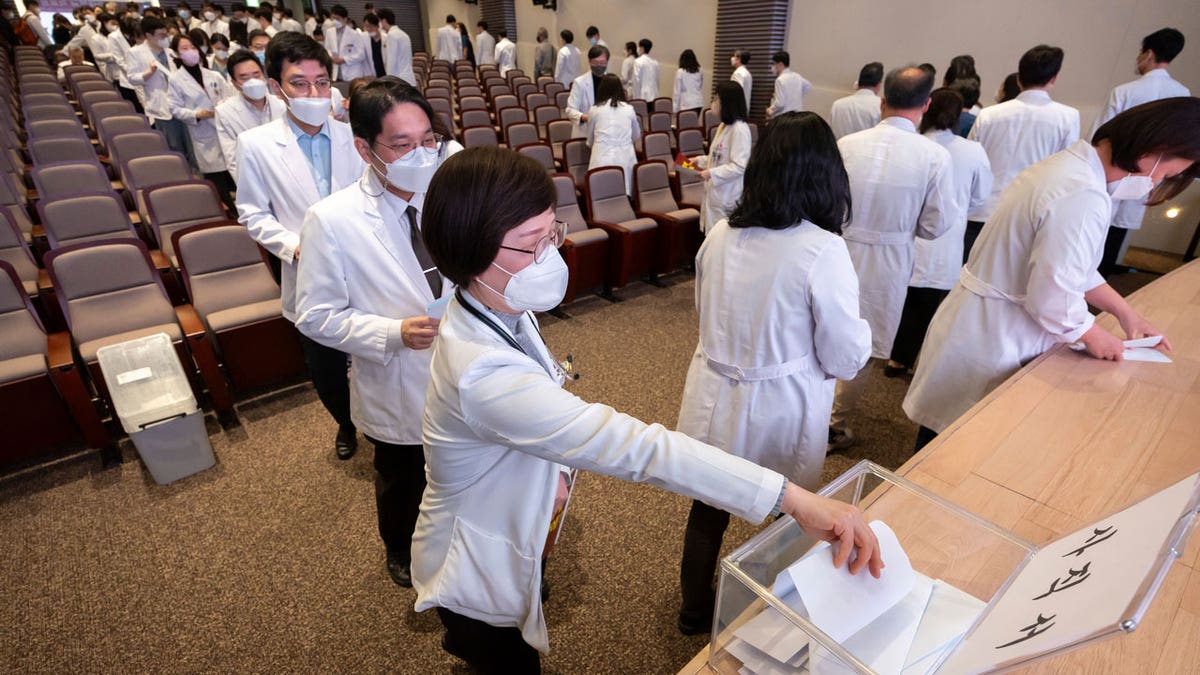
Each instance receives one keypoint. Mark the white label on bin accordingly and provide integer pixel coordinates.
(133, 376)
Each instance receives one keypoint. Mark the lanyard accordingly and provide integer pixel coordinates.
(565, 368)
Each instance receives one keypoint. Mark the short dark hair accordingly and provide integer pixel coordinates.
(257, 32)
(371, 19)
(369, 105)
(907, 87)
(218, 37)
(630, 47)
(567, 36)
(968, 89)
(782, 57)
(450, 19)
(1039, 65)
(610, 90)
(149, 25)
(646, 45)
(870, 75)
(592, 31)
(945, 107)
(238, 58)
(386, 14)
(287, 12)
(294, 47)
(961, 66)
(338, 10)
(743, 55)
(795, 173)
(264, 13)
(732, 100)
(1167, 127)
(502, 33)
(199, 38)
(929, 68)
(482, 24)
(1011, 87)
(597, 51)
(688, 62)
(237, 6)
(1166, 43)
(474, 199)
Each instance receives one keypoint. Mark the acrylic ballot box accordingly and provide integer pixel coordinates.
(982, 599)
(155, 404)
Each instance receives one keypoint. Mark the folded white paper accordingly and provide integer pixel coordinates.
(949, 615)
(772, 634)
(1141, 349)
(437, 308)
(885, 642)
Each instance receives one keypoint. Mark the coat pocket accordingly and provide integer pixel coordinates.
(487, 574)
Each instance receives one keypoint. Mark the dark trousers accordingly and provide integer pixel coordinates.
(1112, 250)
(225, 188)
(327, 367)
(974, 227)
(486, 648)
(919, 307)
(399, 484)
(924, 436)
(701, 547)
(131, 96)
(177, 138)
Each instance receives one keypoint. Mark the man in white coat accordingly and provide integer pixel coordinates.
(251, 107)
(286, 166)
(1158, 50)
(398, 56)
(506, 53)
(646, 72)
(212, 24)
(583, 92)
(902, 187)
(449, 41)
(485, 45)
(566, 65)
(150, 66)
(120, 49)
(363, 287)
(859, 110)
(349, 49)
(741, 74)
(1019, 133)
(790, 86)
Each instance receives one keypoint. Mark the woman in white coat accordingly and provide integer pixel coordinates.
(778, 303)
(499, 430)
(689, 84)
(936, 262)
(722, 169)
(362, 288)
(1031, 276)
(193, 92)
(612, 129)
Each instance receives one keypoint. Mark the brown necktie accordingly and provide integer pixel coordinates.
(418, 246)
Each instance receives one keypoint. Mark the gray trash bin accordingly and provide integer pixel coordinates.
(156, 406)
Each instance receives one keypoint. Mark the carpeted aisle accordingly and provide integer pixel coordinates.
(270, 562)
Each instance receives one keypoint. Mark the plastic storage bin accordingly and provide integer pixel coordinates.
(154, 401)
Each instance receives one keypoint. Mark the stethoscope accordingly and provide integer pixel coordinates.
(566, 367)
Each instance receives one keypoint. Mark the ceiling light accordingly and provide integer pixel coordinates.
(1172, 212)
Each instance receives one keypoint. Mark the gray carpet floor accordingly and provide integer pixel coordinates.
(270, 562)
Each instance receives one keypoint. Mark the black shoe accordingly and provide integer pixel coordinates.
(689, 625)
(399, 570)
(894, 371)
(545, 591)
(840, 439)
(346, 443)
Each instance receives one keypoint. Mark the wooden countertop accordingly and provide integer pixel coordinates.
(1069, 439)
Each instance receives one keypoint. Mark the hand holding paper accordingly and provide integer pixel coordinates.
(1141, 349)
(834, 521)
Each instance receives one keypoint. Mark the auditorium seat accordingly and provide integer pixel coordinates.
(504, 102)
(124, 147)
(679, 228)
(662, 104)
(524, 90)
(63, 128)
(177, 206)
(63, 179)
(559, 132)
(687, 119)
(691, 142)
(506, 117)
(52, 150)
(553, 89)
(141, 173)
(238, 300)
(476, 136)
(542, 152)
(561, 99)
(108, 126)
(535, 100)
(657, 146)
(633, 249)
(520, 133)
(475, 118)
(586, 248)
(544, 115)
(13, 201)
(577, 154)
(15, 252)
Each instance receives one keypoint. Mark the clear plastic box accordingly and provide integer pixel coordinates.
(146, 381)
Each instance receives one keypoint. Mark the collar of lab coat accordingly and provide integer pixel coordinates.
(1084, 150)
(1157, 73)
(543, 357)
(902, 123)
(341, 147)
(1034, 96)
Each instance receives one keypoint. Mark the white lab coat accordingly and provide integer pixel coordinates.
(214, 27)
(689, 90)
(579, 103)
(566, 65)
(778, 323)
(790, 89)
(485, 48)
(1019, 133)
(235, 115)
(936, 262)
(355, 48)
(743, 77)
(186, 97)
(398, 56)
(310, 25)
(291, 25)
(611, 133)
(154, 88)
(1021, 292)
(493, 473)
(646, 68)
(854, 113)
(449, 44)
(357, 280)
(276, 187)
(629, 76)
(1154, 85)
(506, 55)
(119, 48)
(901, 185)
(726, 162)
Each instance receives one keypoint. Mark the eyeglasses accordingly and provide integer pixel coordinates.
(322, 86)
(556, 238)
(431, 144)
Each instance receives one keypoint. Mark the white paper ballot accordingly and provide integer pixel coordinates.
(754, 661)
(437, 308)
(772, 634)
(1152, 341)
(885, 642)
(1141, 349)
(841, 603)
(949, 614)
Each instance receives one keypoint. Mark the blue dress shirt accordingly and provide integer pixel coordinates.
(316, 149)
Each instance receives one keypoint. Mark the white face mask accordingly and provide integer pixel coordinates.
(313, 111)
(539, 287)
(338, 24)
(184, 14)
(254, 89)
(221, 54)
(210, 16)
(89, 19)
(413, 172)
(1133, 186)
(164, 43)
